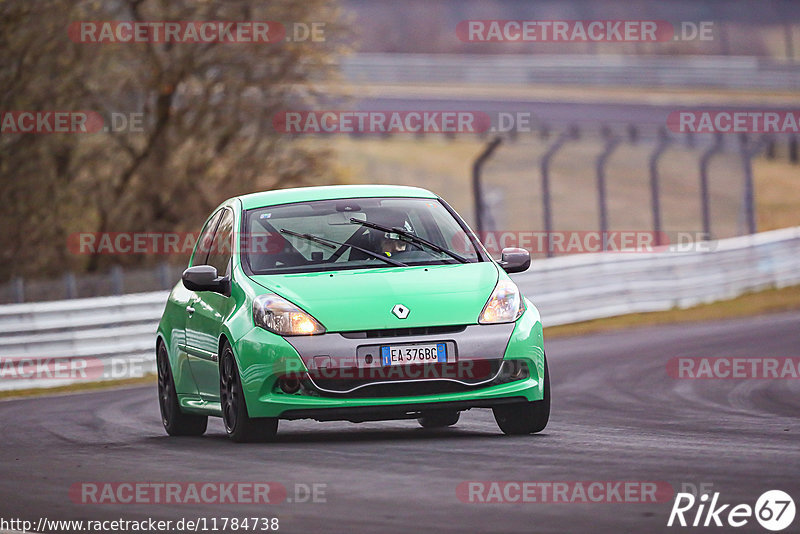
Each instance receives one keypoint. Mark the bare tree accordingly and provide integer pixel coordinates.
(206, 112)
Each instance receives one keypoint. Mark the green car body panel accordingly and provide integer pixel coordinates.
(351, 300)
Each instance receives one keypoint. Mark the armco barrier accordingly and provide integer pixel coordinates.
(119, 329)
(582, 287)
(565, 289)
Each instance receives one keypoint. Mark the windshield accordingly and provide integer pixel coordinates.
(328, 235)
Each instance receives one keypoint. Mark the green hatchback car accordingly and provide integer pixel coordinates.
(354, 303)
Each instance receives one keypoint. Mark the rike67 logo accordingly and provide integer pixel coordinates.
(774, 510)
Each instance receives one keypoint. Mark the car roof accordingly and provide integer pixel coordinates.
(306, 194)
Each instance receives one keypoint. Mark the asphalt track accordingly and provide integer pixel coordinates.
(617, 415)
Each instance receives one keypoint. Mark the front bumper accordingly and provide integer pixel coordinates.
(360, 414)
(265, 357)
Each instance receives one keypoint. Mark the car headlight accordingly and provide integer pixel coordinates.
(280, 316)
(504, 306)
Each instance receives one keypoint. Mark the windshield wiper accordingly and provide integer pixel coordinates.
(330, 243)
(411, 237)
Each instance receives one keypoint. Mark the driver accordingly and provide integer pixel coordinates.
(390, 243)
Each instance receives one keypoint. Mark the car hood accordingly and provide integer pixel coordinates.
(436, 295)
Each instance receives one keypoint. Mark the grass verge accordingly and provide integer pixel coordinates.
(84, 386)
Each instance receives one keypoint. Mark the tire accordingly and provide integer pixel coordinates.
(175, 422)
(525, 417)
(438, 419)
(239, 426)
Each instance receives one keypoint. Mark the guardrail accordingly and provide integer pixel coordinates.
(120, 330)
(108, 337)
(582, 287)
(732, 72)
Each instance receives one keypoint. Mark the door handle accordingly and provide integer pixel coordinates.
(190, 310)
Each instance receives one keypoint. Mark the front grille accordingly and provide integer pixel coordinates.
(410, 389)
(400, 332)
(400, 381)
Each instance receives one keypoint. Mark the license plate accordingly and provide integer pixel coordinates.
(408, 354)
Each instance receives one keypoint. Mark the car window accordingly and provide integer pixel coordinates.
(220, 254)
(272, 243)
(204, 241)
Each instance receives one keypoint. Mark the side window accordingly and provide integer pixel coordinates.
(220, 254)
(204, 242)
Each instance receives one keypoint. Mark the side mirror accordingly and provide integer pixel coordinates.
(204, 278)
(515, 260)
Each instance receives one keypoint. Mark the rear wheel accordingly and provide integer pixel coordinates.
(438, 419)
(238, 424)
(525, 417)
(176, 423)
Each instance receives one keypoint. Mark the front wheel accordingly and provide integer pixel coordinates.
(176, 423)
(525, 417)
(240, 427)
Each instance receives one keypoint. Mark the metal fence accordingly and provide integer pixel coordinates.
(120, 330)
(743, 150)
(117, 281)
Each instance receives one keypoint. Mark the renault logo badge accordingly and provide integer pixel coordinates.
(400, 311)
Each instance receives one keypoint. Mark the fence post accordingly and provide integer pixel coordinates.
(705, 160)
(661, 147)
(477, 186)
(18, 289)
(571, 133)
(689, 139)
(633, 134)
(117, 280)
(770, 151)
(163, 275)
(544, 131)
(612, 142)
(749, 201)
(70, 285)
